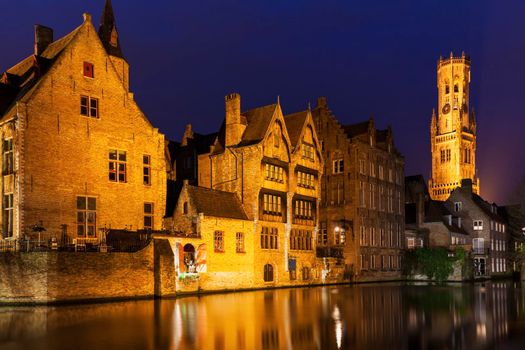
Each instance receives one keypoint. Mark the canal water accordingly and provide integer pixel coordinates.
(372, 316)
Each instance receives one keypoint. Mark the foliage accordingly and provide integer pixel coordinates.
(433, 262)
(188, 276)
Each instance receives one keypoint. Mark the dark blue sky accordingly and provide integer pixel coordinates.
(368, 57)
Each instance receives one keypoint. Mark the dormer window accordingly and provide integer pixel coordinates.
(457, 206)
(89, 70)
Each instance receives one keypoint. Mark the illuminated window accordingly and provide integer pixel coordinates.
(89, 71)
(239, 242)
(272, 204)
(477, 225)
(86, 216)
(89, 106)
(7, 215)
(7, 157)
(268, 273)
(218, 241)
(117, 166)
(269, 238)
(273, 173)
(148, 216)
(308, 151)
(338, 166)
(305, 180)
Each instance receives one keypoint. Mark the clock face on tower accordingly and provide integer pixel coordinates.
(446, 109)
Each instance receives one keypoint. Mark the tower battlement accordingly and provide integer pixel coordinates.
(444, 61)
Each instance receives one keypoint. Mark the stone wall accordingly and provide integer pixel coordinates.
(62, 276)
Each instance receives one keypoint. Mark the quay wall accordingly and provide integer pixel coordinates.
(47, 277)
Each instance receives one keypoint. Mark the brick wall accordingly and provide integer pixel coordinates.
(62, 276)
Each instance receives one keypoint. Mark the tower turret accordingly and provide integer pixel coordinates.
(108, 34)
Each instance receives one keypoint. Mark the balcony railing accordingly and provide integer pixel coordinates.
(330, 252)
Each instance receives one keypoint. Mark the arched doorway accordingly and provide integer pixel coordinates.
(189, 257)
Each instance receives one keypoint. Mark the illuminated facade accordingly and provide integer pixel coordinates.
(452, 130)
(272, 163)
(78, 153)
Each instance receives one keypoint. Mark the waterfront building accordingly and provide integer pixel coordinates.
(272, 163)
(79, 155)
(428, 222)
(453, 130)
(362, 196)
(486, 227)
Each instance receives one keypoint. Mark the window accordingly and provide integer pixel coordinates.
(457, 206)
(273, 173)
(7, 211)
(381, 172)
(218, 241)
(411, 243)
(478, 245)
(269, 238)
(456, 88)
(89, 71)
(303, 210)
(300, 240)
(292, 264)
(148, 216)
(322, 238)
(239, 242)
(268, 273)
(339, 235)
(477, 225)
(306, 273)
(7, 157)
(272, 205)
(362, 195)
(447, 89)
(89, 106)
(185, 208)
(362, 166)
(117, 166)
(308, 151)
(372, 169)
(363, 239)
(338, 166)
(305, 180)
(146, 169)
(86, 216)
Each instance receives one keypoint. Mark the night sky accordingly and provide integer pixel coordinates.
(368, 57)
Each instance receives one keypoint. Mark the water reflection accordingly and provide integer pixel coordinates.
(490, 315)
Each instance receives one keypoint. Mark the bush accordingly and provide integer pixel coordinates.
(432, 262)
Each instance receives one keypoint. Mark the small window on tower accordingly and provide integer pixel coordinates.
(456, 88)
(89, 71)
(447, 89)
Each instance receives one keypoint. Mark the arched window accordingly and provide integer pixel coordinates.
(268, 273)
(306, 273)
(456, 88)
(185, 208)
(447, 89)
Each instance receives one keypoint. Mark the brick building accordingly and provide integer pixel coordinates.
(453, 130)
(428, 222)
(486, 227)
(362, 202)
(78, 153)
(273, 164)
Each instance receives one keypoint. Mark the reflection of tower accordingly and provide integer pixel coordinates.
(452, 130)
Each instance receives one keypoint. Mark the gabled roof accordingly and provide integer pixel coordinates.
(216, 203)
(108, 31)
(487, 208)
(25, 75)
(257, 124)
(294, 125)
(353, 130)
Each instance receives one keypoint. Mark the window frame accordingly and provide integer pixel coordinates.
(146, 169)
(86, 212)
(116, 164)
(150, 215)
(89, 107)
(218, 241)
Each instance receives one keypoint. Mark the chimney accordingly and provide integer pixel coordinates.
(234, 129)
(188, 134)
(43, 37)
(321, 101)
(466, 184)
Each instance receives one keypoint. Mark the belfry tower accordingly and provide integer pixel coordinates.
(452, 130)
